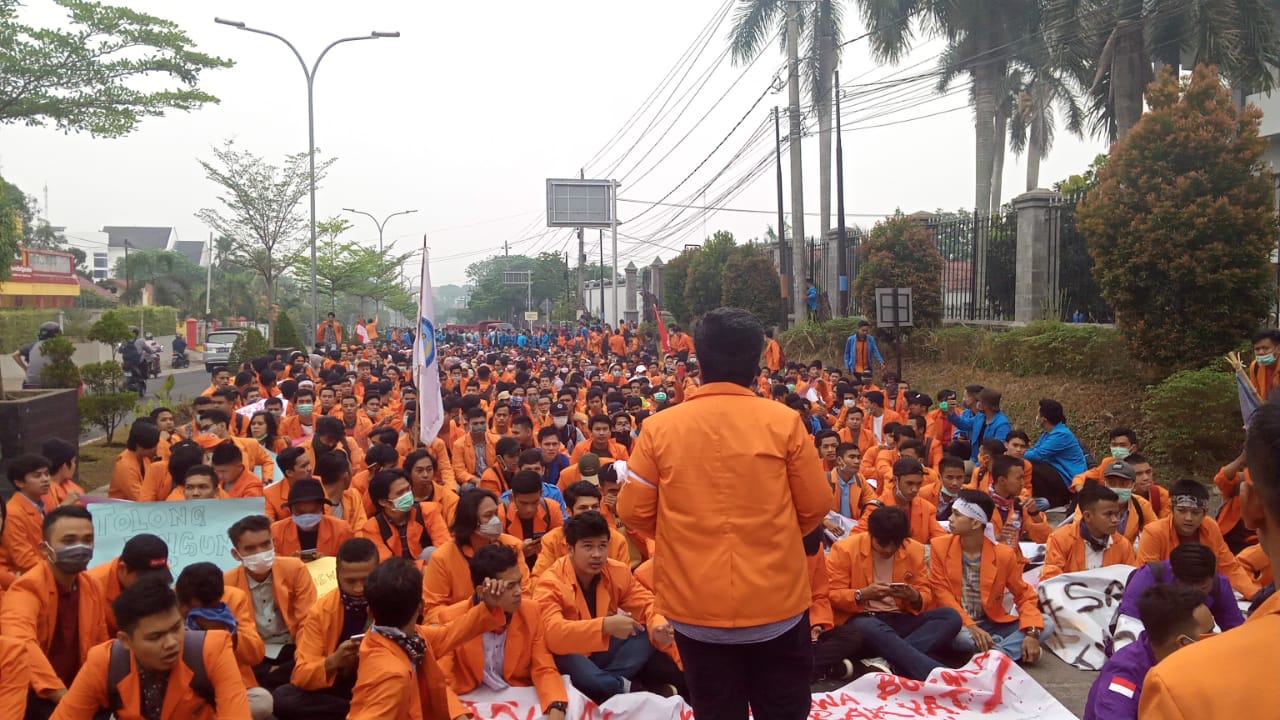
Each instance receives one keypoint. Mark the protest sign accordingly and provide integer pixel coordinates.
(195, 530)
(1082, 606)
(324, 573)
(991, 686)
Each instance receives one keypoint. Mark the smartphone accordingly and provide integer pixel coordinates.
(357, 637)
(899, 586)
(537, 536)
(308, 555)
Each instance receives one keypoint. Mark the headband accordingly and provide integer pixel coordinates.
(970, 510)
(1189, 501)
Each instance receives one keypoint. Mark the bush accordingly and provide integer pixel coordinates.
(749, 280)
(61, 372)
(1193, 421)
(157, 319)
(247, 348)
(703, 285)
(900, 252)
(104, 405)
(674, 276)
(286, 333)
(1181, 224)
(825, 340)
(111, 329)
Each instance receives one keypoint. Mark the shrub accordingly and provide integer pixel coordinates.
(749, 280)
(674, 276)
(157, 319)
(248, 347)
(112, 330)
(813, 340)
(61, 372)
(104, 405)
(900, 252)
(1181, 224)
(703, 287)
(1193, 420)
(287, 335)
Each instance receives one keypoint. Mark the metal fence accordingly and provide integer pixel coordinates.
(1074, 295)
(979, 261)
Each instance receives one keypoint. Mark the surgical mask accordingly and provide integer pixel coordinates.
(1268, 359)
(560, 421)
(1124, 495)
(307, 521)
(660, 397)
(944, 406)
(490, 529)
(850, 402)
(404, 503)
(617, 373)
(1119, 453)
(305, 409)
(259, 562)
(791, 387)
(72, 559)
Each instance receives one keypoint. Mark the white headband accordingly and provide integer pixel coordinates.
(970, 510)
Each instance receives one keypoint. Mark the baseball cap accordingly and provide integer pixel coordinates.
(1120, 469)
(589, 464)
(504, 396)
(146, 553)
(559, 408)
(907, 466)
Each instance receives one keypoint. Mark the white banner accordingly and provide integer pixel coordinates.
(991, 686)
(425, 367)
(1082, 606)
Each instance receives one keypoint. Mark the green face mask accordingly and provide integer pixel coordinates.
(1268, 359)
(1125, 495)
(1119, 453)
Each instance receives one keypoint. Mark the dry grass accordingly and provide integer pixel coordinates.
(97, 459)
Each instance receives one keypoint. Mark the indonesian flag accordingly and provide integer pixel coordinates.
(1122, 686)
(662, 331)
(362, 334)
(426, 368)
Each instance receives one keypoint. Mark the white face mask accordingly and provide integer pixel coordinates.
(560, 421)
(260, 562)
(850, 402)
(491, 529)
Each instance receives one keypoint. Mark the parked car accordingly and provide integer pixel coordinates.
(217, 347)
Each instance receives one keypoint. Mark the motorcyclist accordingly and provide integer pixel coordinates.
(179, 345)
(32, 358)
(134, 353)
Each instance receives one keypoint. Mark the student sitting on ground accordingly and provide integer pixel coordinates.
(446, 579)
(142, 555)
(582, 497)
(346, 502)
(1091, 541)
(1193, 565)
(21, 536)
(527, 514)
(402, 527)
(1189, 524)
(200, 482)
(307, 532)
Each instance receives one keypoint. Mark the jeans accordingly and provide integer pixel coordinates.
(834, 645)
(771, 677)
(331, 703)
(1006, 637)
(599, 675)
(905, 639)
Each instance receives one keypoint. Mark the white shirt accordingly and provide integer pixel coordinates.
(495, 653)
(877, 427)
(1093, 558)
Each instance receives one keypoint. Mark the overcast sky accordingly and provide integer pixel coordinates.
(465, 116)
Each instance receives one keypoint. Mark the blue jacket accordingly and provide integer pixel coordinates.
(1115, 693)
(851, 350)
(1221, 601)
(1059, 448)
(976, 428)
(551, 473)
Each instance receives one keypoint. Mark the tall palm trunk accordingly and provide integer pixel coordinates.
(1035, 144)
(984, 100)
(826, 62)
(1128, 72)
(997, 164)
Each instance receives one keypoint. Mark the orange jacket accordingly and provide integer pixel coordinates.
(444, 476)
(255, 456)
(464, 457)
(616, 450)
(850, 568)
(126, 476)
(1064, 552)
(21, 535)
(820, 613)
(330, 534)
(15, 677)
(246, 486)
(922, 514)
(1255, 562)
(547, 518)
(58, 491)
(353, 510)
(337, 331)
(868, 436)
(494, 479)
(107, 575)
(1217, 679)
(88, 694)
(618, 344)
(1229, 513)
(1159, 539)
(743, 548)
(570, 626)
(526, 660)
(291, 583)
(290, 426)
(249, 647)
(426, 528)
(317, 640)
(1158, 498)
(1131, 529)
(773, 355)
(447, 577)
(1001, 570)
(30, 611)
(555, 547)
(860, 494)
(157, 483)
(275, 496)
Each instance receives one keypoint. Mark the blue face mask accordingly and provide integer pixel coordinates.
(307, 521)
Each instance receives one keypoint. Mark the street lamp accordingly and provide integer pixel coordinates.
(377, 308)
(310, 74)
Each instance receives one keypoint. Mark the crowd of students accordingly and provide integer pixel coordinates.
(529, 538)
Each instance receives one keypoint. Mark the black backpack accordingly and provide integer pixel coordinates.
(129, 354)
(192, 656)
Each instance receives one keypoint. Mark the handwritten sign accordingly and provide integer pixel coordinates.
(1082, 605)
(324, 573)
(195, 530)
(991, 686)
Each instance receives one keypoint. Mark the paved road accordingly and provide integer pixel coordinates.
(187, 384)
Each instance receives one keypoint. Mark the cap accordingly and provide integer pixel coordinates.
(589, 462)
(559, 408)
(145, 553)
(1120, 469)
(306, 490)
(504, 396)
(207, 441)
(641, 369)
(907, 466)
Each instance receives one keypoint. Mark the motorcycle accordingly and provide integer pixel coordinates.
(180, 360)
(135, 379)
(153, 364)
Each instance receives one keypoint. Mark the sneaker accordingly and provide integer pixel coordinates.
(665, 690)
(843, 671)
(626, 686)
(878, 664)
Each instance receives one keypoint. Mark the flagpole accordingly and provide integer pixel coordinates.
(426, 361)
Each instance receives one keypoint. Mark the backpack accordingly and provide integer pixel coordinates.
(129, 354)
(192, 656)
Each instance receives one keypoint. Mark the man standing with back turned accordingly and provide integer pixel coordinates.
(750, 646)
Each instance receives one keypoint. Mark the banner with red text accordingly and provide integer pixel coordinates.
(991, 686)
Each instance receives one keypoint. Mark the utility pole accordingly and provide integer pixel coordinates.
(613, 213)
(208, 282)
(784, 278)
(582, 258)
(601, 275)
(128, 274)
(797, 166)
(506, 249)
(842, 243)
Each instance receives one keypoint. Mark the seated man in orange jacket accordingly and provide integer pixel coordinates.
(970, 573)
(1091, 541)
(142, 555)
(596, 613)
(160, 660)
(521, 657)
(903, 492)
(1190, 524)
(309, 533)
(879, 585)
(21, 535)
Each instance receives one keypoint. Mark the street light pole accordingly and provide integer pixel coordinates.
(377, 308)
(310, 74)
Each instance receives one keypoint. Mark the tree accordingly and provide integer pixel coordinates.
(702, 285)
(749, 280)
(899, 252)
(248, 347)
(86, 75)
(61, 372)
(674, 276)
(1181, 225)
(11, 224)
(110, 329)
(260, 209)
(334, 271)
(286, 333)
(491, 299)
(105, 404)
(176, 280)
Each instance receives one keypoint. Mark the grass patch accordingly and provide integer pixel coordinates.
(97, 460)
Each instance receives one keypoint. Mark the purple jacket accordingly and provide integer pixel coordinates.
(1221, 601)
(1115, 694)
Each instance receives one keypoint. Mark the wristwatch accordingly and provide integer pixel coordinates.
(1032, 632)
(857, 595)
(558, 705)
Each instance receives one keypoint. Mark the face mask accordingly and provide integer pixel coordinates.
(1268, 359)
(491, 529)
(560, 422)
(260, 562)
(404, 503)
(850, 402)
(791, 387)
(617, 373)
(307, 521)
(305, 409)
(944, 406)
(660, 397)
(261, 438)
(72, 559)
(1119, 453)
(1124, 495)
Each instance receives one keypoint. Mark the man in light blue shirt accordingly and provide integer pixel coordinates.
(1056, 457)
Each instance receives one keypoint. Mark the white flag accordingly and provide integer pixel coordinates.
(431, 406)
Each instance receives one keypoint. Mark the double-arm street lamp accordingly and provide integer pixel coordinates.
(310, 73)
(381, 225)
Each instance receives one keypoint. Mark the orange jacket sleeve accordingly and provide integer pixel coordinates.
(126, 478)
(820, 614)
(840, 587)
(1055, 553)
(15, 676)
(809, 490)
(21, 536)
(940, 581)
(250, 649)
(224, 675)
(444, 466)
(88, 693)
(567, 636)
(546, 677)
(18, 617)
(1036, 527)
(477, 621)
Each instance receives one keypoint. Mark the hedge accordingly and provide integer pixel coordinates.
(18, 326)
